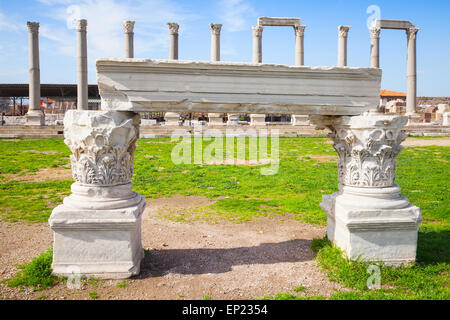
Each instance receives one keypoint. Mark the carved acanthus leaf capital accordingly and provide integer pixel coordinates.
(375, 33)
(411, 33)
(299, 31)
(102, 145)
(257, 31)
(343, 31)
(173, 27)
(215, 28)
(367, 146)
(81, 25)
(33, 27)
(128, 26)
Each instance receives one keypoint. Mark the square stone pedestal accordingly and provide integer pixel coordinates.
(172, 119)
(257, 119)
(101, 243)
(300, 120)
(387, 233)
(215, 119)
(35, 118)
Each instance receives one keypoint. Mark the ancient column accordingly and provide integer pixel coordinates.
(368, 217)
(299, 45)
(411, 77)
(342, 45)
(34, 116)
(128, 27)
(215, 41)
(97, 229)
(375, 47)
(257, 44)
(173, 51)
(82, 86)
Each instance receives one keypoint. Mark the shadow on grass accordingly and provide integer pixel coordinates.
(433, 244)
(204, 260)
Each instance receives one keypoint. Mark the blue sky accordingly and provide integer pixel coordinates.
(105, 38)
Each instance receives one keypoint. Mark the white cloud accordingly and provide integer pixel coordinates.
(8, 23)
(237, 14)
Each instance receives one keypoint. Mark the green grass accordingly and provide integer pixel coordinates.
(36, 274)
(93, 295)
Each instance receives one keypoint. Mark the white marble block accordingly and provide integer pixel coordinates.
(300, 120)
(446, 119)
(368, 217)
(97, 229)
(35, 118)
(172, 119)
(215, 119)
(257, 119)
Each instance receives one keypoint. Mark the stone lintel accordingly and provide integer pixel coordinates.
(392, 24)
(281, 22)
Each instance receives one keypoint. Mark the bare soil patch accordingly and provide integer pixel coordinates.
(48, 174)
(189, 260)
(439, 142)
(319, 157)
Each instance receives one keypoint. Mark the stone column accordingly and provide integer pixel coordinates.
(34, 116)
(375, 47)
(215, 41)
(82, 87)
(299, 45)
(342, 45)
(173, 51)
(257, 44)
(128, 27)
(368, 217)
(97, 229)
(411, 77)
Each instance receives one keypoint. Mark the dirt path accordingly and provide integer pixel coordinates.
(414, 142)
(189, 260)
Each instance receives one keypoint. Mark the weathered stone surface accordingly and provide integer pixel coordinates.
(446, 119)
(368, 217)
(215, 119)
(98, 227)
(175, 86)
(275, 21)
(257, 119)
(172, 119)
(300, 120)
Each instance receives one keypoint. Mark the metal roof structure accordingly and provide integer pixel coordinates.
(47, 90)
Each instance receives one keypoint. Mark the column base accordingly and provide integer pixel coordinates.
(257, 119)
(373, 224)
(300, 120)
(215, 119)
(172, 119)
(35, 118)
(102, 243)
(413, 118)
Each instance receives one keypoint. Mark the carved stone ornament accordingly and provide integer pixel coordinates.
(299, 31)
(215, 28)
(173, 27)
(411, 33)
(257, 31)
(343, 31)
(33, 27)
(128, 26)
(375, 33)
(367, 146)
(102, 145)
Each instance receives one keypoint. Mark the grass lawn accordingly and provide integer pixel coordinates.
(307, 170)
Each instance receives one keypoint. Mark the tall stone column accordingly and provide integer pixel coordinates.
(375, 47)
(215, 41)
(299, 45)
(342, 45)
(411, 76)
(368, 217)
(97, 229)
(34, 116)
(128, 27)
(82, 86)
(257, 44)
(173, 50)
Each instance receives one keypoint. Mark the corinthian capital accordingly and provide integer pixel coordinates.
(299, 31)
(81, 25)
(173, 27)
(128, 26)
(257, 30)
(215, 28)
(411, 33)
(343, 31)
(374, 33)
(33, 27)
